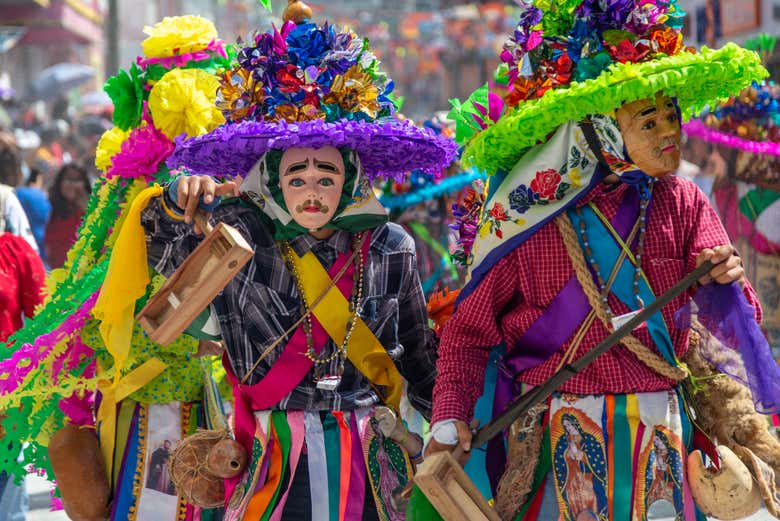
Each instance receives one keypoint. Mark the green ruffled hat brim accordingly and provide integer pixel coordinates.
(694, 79)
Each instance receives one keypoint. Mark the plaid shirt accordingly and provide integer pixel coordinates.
(262, 302)
(522, 285)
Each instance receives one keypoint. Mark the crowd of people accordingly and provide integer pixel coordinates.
(376, 284)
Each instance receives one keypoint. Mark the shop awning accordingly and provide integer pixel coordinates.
(61, 21)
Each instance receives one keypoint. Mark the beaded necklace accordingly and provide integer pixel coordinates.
(604, 288)
(324, 380)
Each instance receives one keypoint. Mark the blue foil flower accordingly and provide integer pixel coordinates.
(580, 36)
(307, 44)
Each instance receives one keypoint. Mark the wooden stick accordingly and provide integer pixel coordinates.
(523, 403)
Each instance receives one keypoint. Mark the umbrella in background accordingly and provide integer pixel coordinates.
(95, 102)
(59, 79)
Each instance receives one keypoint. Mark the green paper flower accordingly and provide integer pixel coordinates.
(126, 91)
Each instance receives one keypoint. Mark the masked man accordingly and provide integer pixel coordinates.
(310, 123)
(575, 234)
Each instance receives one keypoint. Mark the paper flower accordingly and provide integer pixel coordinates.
(184, 101)
(126, 91)
(142, 153)
(178, 35)
(110, 144)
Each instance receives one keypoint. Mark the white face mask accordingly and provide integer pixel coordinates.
(311, 181)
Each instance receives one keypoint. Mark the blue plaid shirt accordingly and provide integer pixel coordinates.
(262, 302)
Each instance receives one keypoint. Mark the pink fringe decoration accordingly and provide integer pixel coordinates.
(29, 356)
(696, 128)
(217, 46)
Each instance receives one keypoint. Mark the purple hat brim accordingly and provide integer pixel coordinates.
(386, 149)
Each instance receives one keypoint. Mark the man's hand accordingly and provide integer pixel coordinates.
(728, 266)
(210, 348)
(464, 440)
(192, 188)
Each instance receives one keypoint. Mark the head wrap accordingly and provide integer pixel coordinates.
(546, 181)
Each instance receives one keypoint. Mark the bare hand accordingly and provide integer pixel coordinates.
(464, 440)
(210, 348)
(192, 188)
(728, 266)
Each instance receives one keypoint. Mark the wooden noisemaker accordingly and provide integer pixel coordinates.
(449, 489)
(192, 287)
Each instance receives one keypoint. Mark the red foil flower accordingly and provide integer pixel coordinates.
(667, 40)
(626, 51)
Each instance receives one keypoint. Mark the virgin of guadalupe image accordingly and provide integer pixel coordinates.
(580, 470)
(663, 472)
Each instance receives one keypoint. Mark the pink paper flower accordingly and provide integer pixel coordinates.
(142, 153)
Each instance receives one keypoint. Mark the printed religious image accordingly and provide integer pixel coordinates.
(162, 437)
(157, 475)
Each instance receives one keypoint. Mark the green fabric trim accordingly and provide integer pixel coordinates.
(279, 419)
(420, 509)
(756, 201)
(330, 430)
(694, 79)
(622, 461)
(195, 329)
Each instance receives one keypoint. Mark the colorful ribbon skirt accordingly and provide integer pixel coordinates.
(613, 457)
(348, 461)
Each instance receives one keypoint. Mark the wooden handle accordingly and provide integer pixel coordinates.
(202, 220)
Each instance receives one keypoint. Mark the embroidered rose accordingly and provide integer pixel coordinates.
(546, 183)
(499, 212)
(521, 199)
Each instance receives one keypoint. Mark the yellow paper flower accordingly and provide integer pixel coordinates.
(110, 143)
(184, 100)
(178, 35)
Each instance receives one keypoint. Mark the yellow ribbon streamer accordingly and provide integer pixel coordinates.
(113, 392)
(125, 282)
(364, 350)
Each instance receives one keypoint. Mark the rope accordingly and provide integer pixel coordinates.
(651, 359)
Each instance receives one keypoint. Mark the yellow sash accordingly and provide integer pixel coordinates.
(364, 350)
(125, 282)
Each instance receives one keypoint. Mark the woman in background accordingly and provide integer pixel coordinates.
(68, 196)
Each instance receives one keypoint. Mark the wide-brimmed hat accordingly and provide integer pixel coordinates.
(568, 60)
(307, 85)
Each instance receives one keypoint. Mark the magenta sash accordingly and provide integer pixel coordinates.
(289, 369)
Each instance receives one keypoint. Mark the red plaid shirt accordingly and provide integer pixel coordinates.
(520, 286)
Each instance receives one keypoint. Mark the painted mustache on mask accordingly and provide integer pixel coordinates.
(312, 205)
(666, 143)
